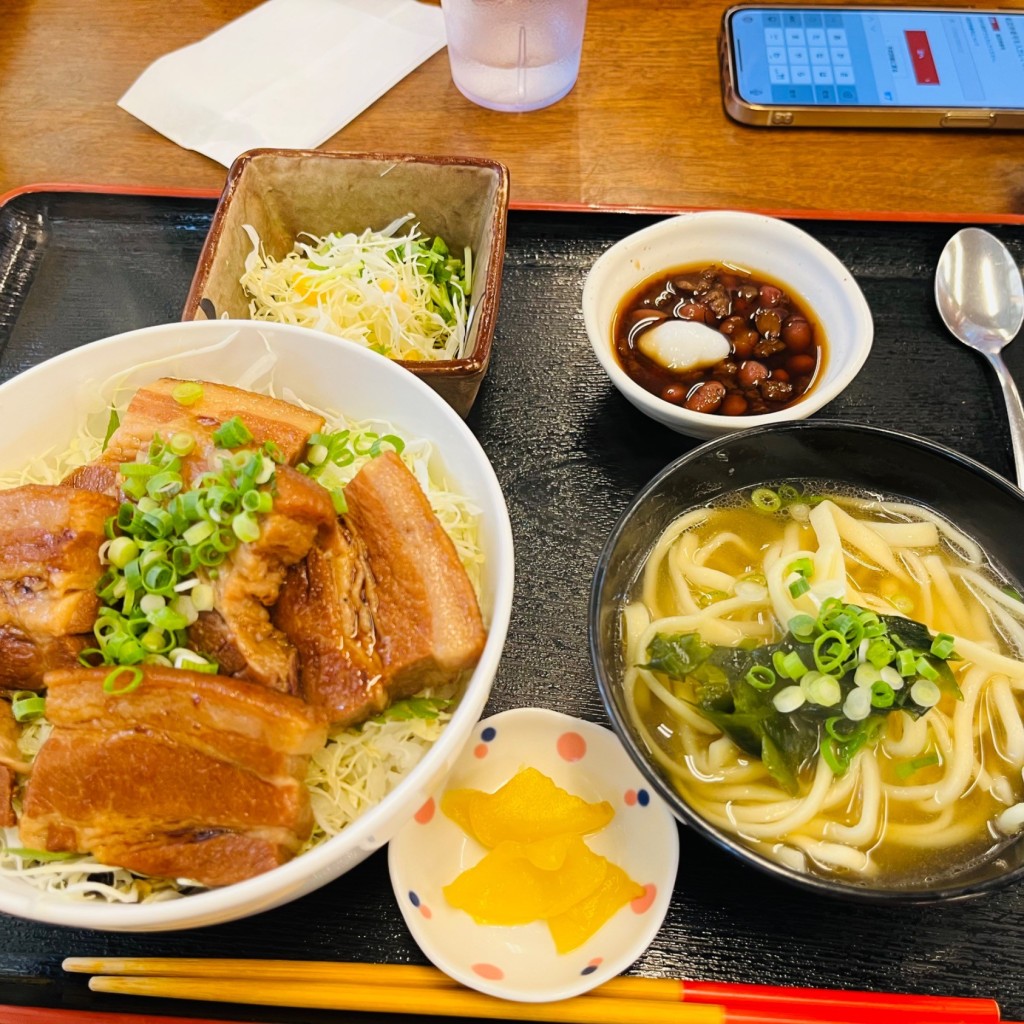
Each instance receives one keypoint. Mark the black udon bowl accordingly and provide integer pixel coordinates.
(979, 502)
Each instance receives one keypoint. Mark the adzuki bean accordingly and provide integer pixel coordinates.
(776, 349)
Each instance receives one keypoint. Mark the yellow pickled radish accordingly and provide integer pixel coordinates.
(576, 924)
(539, 867)
(516, 883)
(530, 806)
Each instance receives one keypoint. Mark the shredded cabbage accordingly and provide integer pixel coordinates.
(358, 766)
(403, 295)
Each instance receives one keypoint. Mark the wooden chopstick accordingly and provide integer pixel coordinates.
(439, 1002)
(424, 986)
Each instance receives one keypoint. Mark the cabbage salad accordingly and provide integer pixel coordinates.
(398, 293)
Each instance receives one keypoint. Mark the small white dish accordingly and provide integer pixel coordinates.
(520, 963)
(760, 244)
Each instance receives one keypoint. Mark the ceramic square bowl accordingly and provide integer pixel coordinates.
(282, 193)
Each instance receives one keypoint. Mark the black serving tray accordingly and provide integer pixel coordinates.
(569, 453)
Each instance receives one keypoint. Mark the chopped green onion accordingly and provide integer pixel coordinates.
(891, 676)
(766, 500)
(232, 433)
(925, 693)
(799, 586)
(121, 551)
(906, 663)
(880, 652)
(942, 646)
(245, 527)
(27, 705)
(830, 651)
(788, 699)
(882, 694)
(866, 675)
(338, 500)
(828, 752)
(802, 565)
(925, 668)
(134, 680)
(802, 626)
(907, 768)
(182, 443)
(793, 665)
(857, 705)
(760, 677)
(188, 392)
(824, 690)
(113, 422)
(164, 484)
(393, 441)
(197, 533)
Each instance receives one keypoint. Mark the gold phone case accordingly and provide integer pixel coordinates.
(796, 116)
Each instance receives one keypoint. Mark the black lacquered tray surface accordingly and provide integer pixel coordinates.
(569, 453)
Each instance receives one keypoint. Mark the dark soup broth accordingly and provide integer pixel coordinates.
(769, 352)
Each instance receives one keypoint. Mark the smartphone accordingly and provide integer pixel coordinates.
(876, 67)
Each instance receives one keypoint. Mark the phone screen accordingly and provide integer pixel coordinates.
(898, 58)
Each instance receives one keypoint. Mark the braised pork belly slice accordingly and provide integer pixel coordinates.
(153, 411)
(12, 762)
(429, 627)
(238, 633)
(188, 776)
(382, 608)
(326, 609)
(49, 566)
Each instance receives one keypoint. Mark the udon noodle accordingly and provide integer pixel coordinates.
(908, 782)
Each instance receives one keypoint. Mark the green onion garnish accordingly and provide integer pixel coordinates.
(760, 677)
(188, 392)
(27, 705)
(803, 566)
(766, 499)
(110, 684)
(802, 626)
(942, 646)
(907, 768)
(799, 586)
(232, 433)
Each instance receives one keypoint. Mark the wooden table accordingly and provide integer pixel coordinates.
(644, 126)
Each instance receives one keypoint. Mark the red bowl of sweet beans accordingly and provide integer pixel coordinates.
(695, 334)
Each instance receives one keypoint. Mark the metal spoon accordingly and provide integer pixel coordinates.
(980, 294)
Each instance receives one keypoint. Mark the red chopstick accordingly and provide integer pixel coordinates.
(47, 1015)
(853, 1007)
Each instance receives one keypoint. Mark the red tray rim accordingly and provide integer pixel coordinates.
(902, 216)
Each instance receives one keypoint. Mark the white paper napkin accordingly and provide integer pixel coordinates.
(289, 74)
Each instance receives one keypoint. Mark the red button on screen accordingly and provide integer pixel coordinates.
(921, 58)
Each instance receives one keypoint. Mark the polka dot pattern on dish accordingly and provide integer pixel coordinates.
(571, 747)
(492, 972)
(487, 737)
(637, 797)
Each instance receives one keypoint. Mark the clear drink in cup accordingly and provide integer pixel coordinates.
(514, 55)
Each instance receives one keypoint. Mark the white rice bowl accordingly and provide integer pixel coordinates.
(42, 409)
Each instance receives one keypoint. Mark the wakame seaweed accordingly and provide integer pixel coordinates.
(788, 742)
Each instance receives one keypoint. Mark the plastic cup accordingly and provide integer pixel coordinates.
(514, 55)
